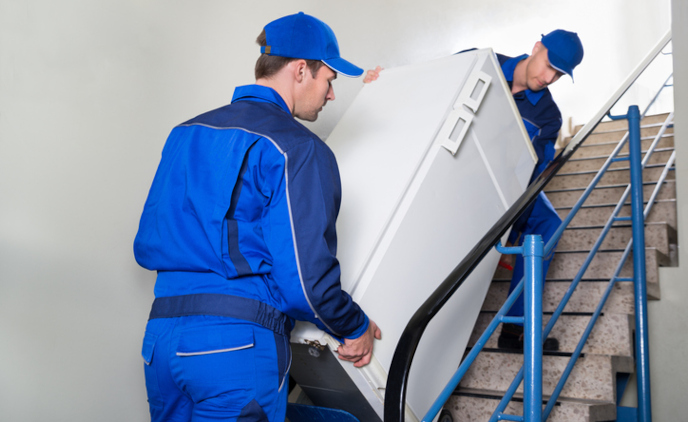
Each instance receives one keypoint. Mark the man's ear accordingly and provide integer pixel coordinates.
(300, 69)
(538, 45)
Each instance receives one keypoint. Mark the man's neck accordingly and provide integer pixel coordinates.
(282, 89)
(519, 81)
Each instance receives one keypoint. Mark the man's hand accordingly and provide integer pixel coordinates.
(372, 75)
(360, 350)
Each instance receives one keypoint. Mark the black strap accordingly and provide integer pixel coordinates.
(221, 305)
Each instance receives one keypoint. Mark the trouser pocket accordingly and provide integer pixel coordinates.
(283, 359)
(152, 385)
(216, 364)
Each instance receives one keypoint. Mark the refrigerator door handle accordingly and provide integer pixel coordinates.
(474, 90)
(454, 129)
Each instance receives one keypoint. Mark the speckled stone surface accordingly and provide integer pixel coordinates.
(589, 379)
(612, 177)
(606, 148)
(609, 195)
(610, 336)
(657, 235)
(581, 164)
(663, 210)
(621, 124)
(565, 265)
(616, 135)
(465, 408)
(584, 299)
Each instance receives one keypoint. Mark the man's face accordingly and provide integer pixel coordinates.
(314, 93)
(539, 72)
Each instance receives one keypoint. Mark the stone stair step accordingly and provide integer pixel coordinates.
(585, 299)
(606, 148)
(609, 194)
(615, 136)
(611, 177)
(589, 379)
(565, 265)
(573, 165)
(663, 210)
(612, 334)
(623, 124)
(478, 405)
(658, 235)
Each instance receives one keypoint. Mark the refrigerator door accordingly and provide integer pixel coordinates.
(431, 155)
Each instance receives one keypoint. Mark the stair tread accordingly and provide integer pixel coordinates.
(610, 204)
(611, 335)
(620, 155)
(614, 186)
(519, 396)
(642, 138)
(477, 405)
(588, 380)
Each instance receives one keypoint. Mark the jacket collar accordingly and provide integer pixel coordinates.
(508, 69)
(261, 94)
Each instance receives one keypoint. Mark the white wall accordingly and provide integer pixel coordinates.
(88, 93)
(669, 316)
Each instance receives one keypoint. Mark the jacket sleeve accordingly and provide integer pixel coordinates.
(299, 231)
(545, 140)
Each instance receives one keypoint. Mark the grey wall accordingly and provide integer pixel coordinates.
(669, 316)
(89, 91)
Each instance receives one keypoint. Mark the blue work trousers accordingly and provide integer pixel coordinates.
(210, 368)
(540, 218)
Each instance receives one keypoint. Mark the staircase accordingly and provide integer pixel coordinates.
(591, 391)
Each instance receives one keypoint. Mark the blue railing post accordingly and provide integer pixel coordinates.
(533, 251)
(639, 278)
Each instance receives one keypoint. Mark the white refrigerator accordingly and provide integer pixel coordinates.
(431, 155)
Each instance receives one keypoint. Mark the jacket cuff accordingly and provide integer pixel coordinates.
(361, 330)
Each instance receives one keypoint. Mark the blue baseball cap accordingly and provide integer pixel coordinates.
(301, 36)
(564, 50)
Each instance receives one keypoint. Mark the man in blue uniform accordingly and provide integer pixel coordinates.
(240, 226)
(558, 53)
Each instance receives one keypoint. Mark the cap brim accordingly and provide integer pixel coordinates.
(343, 67)
(554, 61)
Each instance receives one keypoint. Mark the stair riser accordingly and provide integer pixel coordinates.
(662, 212)
(565, 266)
(602, 196)
(585, 299)
(617, 135)
(611, 335)
(656, 235)
(468, 408)
(623, 124)
(587, 164)
(588, 380)
(597, 150)
(616, 177)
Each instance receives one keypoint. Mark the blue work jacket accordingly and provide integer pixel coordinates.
(539, 112)
(244, 203)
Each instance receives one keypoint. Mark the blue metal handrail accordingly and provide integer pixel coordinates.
(564, 301)
(397, 381)
(500, 317)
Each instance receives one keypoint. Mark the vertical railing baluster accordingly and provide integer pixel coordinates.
(639, 276)
(533, 251)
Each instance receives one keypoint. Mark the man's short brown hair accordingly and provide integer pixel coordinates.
(267, 66)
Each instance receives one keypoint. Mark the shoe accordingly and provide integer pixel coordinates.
(511, 338)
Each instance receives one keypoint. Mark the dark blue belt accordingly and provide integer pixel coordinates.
(224, 306)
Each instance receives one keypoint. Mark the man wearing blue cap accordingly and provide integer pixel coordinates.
(240, 226)
(558, 53)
